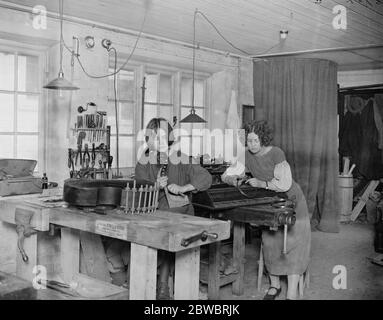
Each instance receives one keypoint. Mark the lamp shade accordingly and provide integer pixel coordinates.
(192, 118)
(60, 83)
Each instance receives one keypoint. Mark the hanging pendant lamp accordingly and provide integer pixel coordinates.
(193, 117)
(60, 83)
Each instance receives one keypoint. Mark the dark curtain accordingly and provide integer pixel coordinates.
(298, 97)
(360, 135)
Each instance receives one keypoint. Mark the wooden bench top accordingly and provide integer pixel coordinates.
(161, 230)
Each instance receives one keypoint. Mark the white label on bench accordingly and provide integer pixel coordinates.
(112, 229)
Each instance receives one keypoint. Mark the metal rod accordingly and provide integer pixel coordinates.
(377, 86)
(294, 53)
(285, 239)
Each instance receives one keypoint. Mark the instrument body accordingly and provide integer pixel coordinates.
(92, 193)
(256, 206)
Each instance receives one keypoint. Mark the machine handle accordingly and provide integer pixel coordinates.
(200, 236)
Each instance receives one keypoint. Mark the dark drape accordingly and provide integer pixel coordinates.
(298, 97)
(360, 135)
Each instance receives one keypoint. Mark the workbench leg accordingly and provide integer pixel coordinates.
(70, 253)
(143, 272)
(239, 257)
(214, 278)
(186, 284)
(24, 270)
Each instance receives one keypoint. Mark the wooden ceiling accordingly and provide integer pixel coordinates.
(251, 25)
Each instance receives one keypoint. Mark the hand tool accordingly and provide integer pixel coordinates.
(78, 154)
(81, 137)
(86, 157)
(93, 155)
(70, 162)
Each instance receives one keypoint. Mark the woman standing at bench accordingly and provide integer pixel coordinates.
(270, 170)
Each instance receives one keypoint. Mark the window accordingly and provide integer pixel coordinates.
(20, 106)
(167, 94)
(158, 97)
(192, 143)
(126, 97)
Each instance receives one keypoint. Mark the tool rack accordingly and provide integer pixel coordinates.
(91, 158)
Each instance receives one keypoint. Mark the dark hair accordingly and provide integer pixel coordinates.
(155, 124)
(261, 129)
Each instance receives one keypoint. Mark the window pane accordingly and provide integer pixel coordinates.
(27, 113)
(7, 112)
(28, 74)
(165, 89)
(126, 117)
(197, 146)
(110, 86)
(126, 148)
(126, 85)
(186, 85)
(150, 112)
(111, 115)
(185, 143)
(6, 143)
(27, 147)
(198, 93)
(166, 112)
(151, 88)
(7, 71)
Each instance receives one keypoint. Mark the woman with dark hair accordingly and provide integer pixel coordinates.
(270, 170)
(177, 177)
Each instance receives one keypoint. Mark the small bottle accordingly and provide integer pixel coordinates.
(44, 181)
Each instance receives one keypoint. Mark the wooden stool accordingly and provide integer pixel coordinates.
(304, 279)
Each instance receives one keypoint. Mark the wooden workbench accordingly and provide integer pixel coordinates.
(146, 233)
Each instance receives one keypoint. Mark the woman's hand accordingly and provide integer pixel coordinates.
(163, 181)
(175, 188)
(254, 182)
(233, 180)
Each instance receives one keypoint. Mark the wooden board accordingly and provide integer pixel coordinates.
(90, 288)
(186, 278)
(40, 219)
(239, 257)
(70, 253)
(143, 272)
(15, 288)
(95, 261)
(214, 280)
(363, 199)
(162, 230)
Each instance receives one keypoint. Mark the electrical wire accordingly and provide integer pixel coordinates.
(224, 38)
(122, 66)
(218, 32)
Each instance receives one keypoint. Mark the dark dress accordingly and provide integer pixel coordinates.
(299, 236)
(180, 174)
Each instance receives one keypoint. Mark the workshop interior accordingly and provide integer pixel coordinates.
(191, 150)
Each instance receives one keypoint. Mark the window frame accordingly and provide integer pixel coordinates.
(134, 102)
(140, 70)
(20, 49)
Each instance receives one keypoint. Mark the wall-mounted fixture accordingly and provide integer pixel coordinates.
(193, 117)
(60, 83)
(89, 42)
(106, 43)
(283, 34)
(81, 109)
